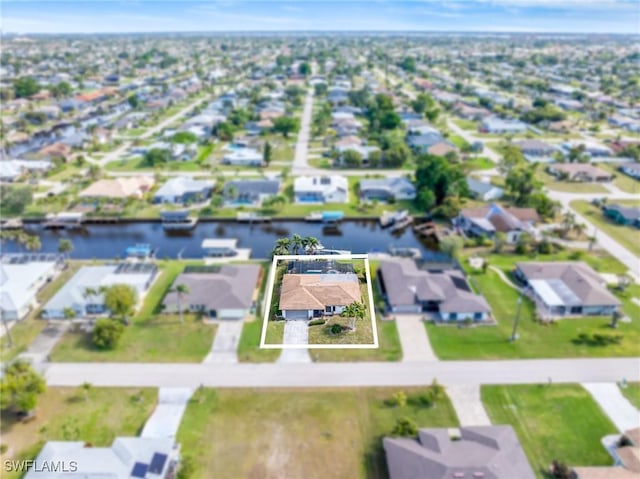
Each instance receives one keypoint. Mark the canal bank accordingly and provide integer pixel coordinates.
(108, 241)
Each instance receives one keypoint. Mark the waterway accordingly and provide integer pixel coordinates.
(110, 241)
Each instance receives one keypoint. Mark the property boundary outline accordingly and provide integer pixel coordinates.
(270, 287)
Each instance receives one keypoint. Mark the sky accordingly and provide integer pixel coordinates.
(115, 16)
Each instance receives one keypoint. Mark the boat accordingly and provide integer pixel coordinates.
(177, 220)
(405, 252)
(402, 224)
(314, 217)
(139, 251)
(321, 250)
(389, 218)
(328, 217)
(251, 217)
(11, 224)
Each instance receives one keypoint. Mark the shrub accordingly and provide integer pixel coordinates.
(336, 329)
(576, 255)
(316, 322)
(398, 399)
(107, 333)
(404, 427)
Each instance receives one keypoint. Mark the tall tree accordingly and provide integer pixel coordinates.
(181, 291)
(354, 311)
(120, 300)
(20, 387)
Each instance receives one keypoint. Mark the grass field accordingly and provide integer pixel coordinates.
(557, 422)
(569, 186)
(256, 434)
(138, 164)
(249, 347)
(627, 236)
(535, 340)
(151, 337)
(65, 414)
(632, 393)
(622, 181)
(479, 163)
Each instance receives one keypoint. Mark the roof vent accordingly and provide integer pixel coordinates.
(458, 474)
(478, 474)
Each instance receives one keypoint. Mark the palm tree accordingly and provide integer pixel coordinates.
(579, 229)
(311, 244)
(568, 222)
(282, 247)
(181, 290)
(296, 243)
(354, 311)
(33, 243)
(65, 247)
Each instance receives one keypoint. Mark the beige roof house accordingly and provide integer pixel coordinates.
(317, 291)
(580, 172)
(627, 462)
(119, 188)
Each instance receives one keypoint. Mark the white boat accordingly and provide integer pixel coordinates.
(389, 218)
(177, 220)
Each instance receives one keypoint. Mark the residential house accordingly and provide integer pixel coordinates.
(243, 157)
(422, 142)
(21, 277)
(624, 215)
(579, 172)
(183, 189)
(626, 455)
(387, 189)
(484, 190)
(442, 148)
(11, 170)
(305, 296)
(591, 148)
(73, 295)
(491, 219)
(118, 188)
(568, 288)
(321, 189)
(537, 151)
(126, 458)
(498, 125)
(446, 293)
(474, 452)
(471, 112)
(249, 192)
(220, 291)
(363, 150)
(55, 150)
(632, 169)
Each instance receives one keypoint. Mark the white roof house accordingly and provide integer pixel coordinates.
(128, 457)
(183, 188)
(19, 283)
(73, 293)
(243, 156)
(321, 189)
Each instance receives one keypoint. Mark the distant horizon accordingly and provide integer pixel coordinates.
(613, 17)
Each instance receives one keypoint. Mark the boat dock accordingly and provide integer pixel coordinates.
(327, 217)
(11, 224)
(251, 217)
(390, 218)
(178, 220)
(223, 250)
(66, 220)
(400, 225)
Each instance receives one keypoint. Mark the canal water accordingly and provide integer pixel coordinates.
(110, 241)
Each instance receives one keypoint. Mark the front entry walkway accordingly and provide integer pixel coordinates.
(617, 407)
(467, 402)
(295, 332)
(414, 339)
(166, 418)
(40, 348)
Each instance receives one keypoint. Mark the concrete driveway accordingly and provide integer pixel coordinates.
(225, 343)
(414, 339)
(295, 332)
(44, 343)
(468, 405)
(165, 420)
(621, 412)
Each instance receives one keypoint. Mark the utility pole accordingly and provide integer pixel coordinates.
(514, 334)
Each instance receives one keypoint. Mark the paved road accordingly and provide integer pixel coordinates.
(300, 164)
(414, 339)
(469, 138)
(343, 374)
(467, 402)
(621, 412)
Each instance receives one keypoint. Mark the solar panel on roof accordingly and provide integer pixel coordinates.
(139, 470)
(157, 463)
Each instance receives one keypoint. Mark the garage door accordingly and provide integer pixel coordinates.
(297, 314)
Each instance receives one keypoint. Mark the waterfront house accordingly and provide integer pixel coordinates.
(249, 192)
(183, 189)
(491, 219)
(118, 188)
(73, 295)
(321, 189)
(624, 215)
(21, 277)
(445, 293)
(217, 291)
(474, 452)
(305, 296)
(387, 189)
(570, 288)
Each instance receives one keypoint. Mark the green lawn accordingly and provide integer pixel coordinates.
(25, 331)
(249, 347)
(233, 433)
(151, 337)
(479, 163)
(557, 422)
(621, 180)
(552, 183)
(627, 236)
(466, 124)
(458, 141)
(65, 414)
(632, 393)
(536, 340)
(138, 164)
